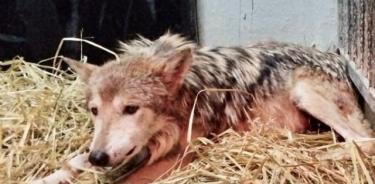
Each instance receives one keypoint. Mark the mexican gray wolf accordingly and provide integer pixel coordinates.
(140, 105)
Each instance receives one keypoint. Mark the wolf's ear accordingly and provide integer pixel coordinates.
(84, 70)
(174, 68)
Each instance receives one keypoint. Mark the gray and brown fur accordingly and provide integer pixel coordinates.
(278, 83)
(264, 70)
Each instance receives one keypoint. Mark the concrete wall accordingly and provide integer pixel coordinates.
(239, 22)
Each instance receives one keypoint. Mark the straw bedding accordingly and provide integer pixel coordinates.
(43, 122)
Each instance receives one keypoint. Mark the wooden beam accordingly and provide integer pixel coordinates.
(362, 84)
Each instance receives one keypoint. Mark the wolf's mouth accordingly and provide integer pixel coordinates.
(123, 171)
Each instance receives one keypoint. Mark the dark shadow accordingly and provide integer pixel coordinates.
(33, 28)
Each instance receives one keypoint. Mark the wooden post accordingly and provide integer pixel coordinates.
(357, 39)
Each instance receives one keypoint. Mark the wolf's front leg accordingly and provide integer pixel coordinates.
(73, 169)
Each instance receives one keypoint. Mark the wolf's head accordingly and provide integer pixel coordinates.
(129, 103)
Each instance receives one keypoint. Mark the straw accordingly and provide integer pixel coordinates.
(271, 157)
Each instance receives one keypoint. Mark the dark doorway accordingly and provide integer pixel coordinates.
(33, 28)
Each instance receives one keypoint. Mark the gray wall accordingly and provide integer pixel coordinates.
(240, 22)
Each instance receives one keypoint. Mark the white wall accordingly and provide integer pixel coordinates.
(239, 22)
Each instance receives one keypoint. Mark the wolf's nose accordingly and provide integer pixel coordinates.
(98, 158)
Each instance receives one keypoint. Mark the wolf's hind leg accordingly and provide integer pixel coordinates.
(332, 101)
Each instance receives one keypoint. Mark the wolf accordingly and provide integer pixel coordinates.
(141, 104)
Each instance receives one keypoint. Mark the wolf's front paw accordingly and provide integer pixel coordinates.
(58, 177)
(39, 181)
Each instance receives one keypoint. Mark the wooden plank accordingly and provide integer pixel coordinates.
(357, 39)
(362, 84)
(372, 44)
(343, 27)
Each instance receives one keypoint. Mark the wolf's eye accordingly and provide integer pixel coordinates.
(94, 111)
(130, 109)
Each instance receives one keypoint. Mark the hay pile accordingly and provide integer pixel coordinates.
(43, 122)
(272, 157)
